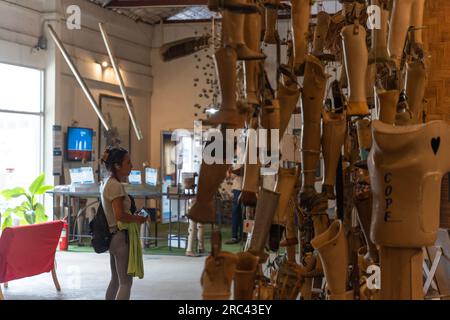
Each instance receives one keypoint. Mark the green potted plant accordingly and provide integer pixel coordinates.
(30, 211)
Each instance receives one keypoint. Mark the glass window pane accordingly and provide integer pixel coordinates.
(20, 88)
(20, 146)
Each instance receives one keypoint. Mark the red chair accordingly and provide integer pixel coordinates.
(27, 251)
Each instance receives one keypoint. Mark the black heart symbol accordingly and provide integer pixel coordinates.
(435, 143)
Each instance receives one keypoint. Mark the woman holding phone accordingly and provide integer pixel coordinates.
(117, 204)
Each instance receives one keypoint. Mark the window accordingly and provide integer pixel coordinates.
(21, 123)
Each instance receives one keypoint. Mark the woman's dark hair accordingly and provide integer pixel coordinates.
(113, 157)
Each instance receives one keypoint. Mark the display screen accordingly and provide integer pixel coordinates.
(79, 144)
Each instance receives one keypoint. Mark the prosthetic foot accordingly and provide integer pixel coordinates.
(244, 276)
(301, 11)
(217, 276)
(388, 106)
(356, 60)
(333, 136)
(210, 178)
(406, 166)
(333, 251)
(265, 211)
(233, 36)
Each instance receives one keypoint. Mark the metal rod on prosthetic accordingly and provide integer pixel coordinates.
(356, 61)
(300, 12)
(312, 103)
(363, 127)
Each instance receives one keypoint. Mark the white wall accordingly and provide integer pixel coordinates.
(21, 23)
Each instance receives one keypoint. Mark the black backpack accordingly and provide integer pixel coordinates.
(99, 230)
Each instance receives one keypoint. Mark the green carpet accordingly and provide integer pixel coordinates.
(163, 248)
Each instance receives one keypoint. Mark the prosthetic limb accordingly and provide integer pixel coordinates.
(300, 12)
(250, 181)
(333, 251)
(321, 222)
(320, 32)
(233, 36)
(415, 89)
(209, 180)
(356, 61)
(312, 103)
(244, 276)
(287, 179)
(270, 119)
(333, 136)
(400, 22)
(271, 36)
(406, 166)
(228, 114)
(217, 276)
(287, 97)
(265, 211)
(235, 5)
(252, 30)
(371, 74)
(388, 106)
(379, 51)
(363, 127)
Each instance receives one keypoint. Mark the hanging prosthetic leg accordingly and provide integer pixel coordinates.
(225, 59)
(405, 13)
(234, 5)
(415, 90)
(320, 33)
(333, 136)
(312, 103)
(300, 12)
(250, 181)
(217, 276)
(265, 211)
(287, 97)
(379, 50)
(210, 178)
(233, 36)
(406, 166)
(356, 61)
(271, 35)
(388, 106)
(245, 276)
(252, 32)
(333, 251)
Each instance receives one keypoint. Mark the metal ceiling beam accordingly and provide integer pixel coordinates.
(154, 3)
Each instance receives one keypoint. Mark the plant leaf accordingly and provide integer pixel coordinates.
(13, 193)
(43, 189)
(40, 213)
(30, 218)
(37, 184)
(7, 223)
(7, 213)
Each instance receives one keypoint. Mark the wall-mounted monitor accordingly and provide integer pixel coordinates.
(79, 144)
